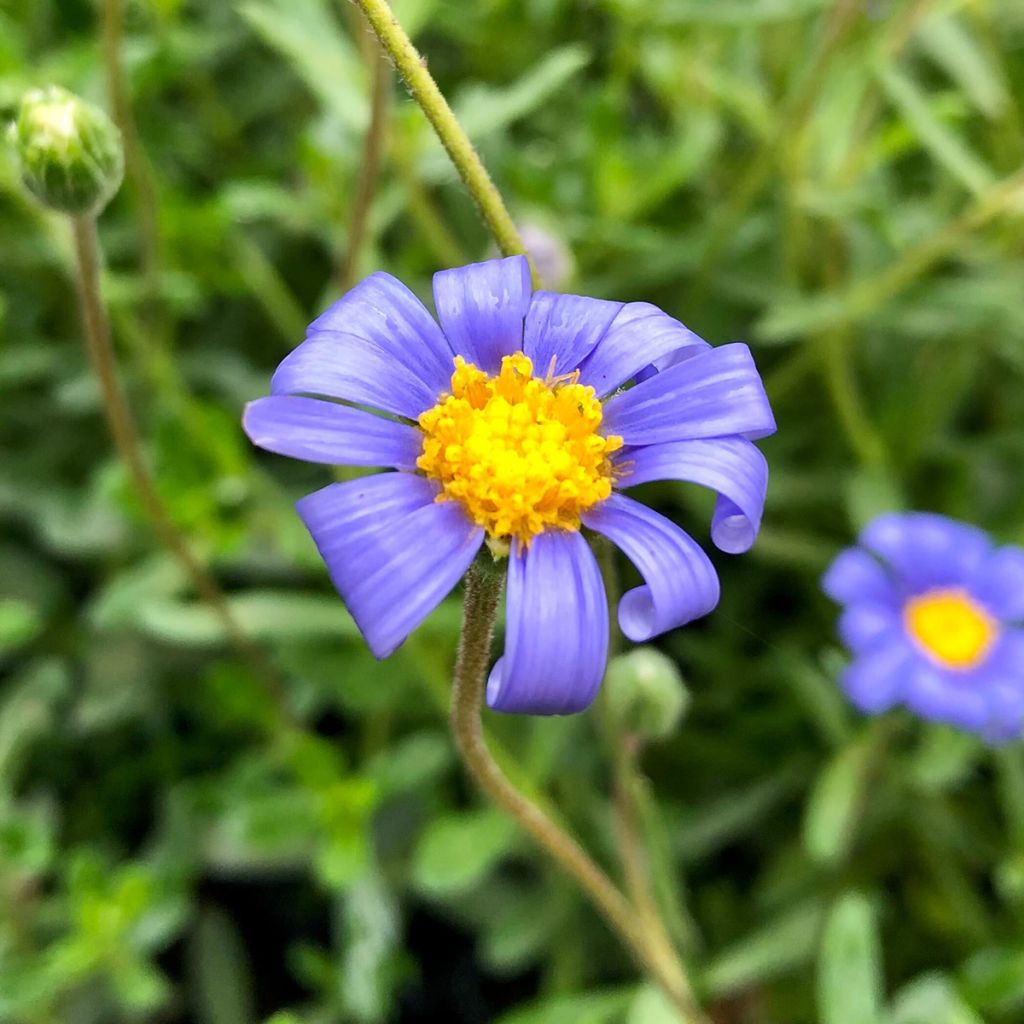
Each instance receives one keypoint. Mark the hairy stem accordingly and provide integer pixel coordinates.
(369, 166)
(413, 69)
(126, 439)
(483, 591)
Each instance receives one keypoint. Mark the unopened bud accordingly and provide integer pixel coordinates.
(549, 254)
(646, 694)
(71, 154)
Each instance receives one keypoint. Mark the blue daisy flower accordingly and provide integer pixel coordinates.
(933, 614)
(511, 424)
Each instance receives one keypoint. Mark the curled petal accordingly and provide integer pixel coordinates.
(717, 393)
(481, 309)
(392, 551)
(556, 642)
(351, 368)
(307, 428)
(927, 550)
(855, 576)
(681, 583)
(564, 328)
(641, 334)
(730, 465)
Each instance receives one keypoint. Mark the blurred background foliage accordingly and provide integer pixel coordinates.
(838, 183)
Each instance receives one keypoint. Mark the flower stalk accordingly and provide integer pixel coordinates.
(129, 447)
(413, 69)
(483, 592)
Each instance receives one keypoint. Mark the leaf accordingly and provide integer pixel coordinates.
(262, 614)
(580, 1008)
(931, 999)
(993, 980)
(219, 974)
(458, 850)
(371, 941)
(950, 44)
(835, 802)
(487, 110)
(651, 1007)
(943, 144)
(849, 965)
(20, 623)
(783, 944)
(308, 36)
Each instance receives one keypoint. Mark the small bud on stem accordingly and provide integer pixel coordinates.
(70, 152)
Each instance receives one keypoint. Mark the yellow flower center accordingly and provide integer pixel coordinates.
(951, 627)
(522, 454)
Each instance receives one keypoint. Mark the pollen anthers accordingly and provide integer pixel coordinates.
(521, 453)
(951, 627)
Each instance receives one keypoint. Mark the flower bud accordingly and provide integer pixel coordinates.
(645, 693)
(70, 152)
(549, 254)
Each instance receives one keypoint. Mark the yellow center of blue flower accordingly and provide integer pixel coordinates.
(521, 454)
(951, 627)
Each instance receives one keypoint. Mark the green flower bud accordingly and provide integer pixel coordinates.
(645, 693)
(70, 152)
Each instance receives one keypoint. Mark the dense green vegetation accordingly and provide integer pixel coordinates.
(839, 184)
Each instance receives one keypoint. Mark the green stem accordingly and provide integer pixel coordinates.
(483, 591)
(413, 69)
(126, 439)
(369, 166)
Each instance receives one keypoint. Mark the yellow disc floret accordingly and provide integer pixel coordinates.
(951, 627)
(521, 453)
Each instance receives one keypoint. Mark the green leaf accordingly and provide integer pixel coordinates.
(487, 110)
(931, 999)
(20, 623)
(944, 145)
(993, 980)
(835, 802)
(262, 614)
(785, 943)
(220, 978)
(582, 1008)
(307, 34)
(849, 965)
(949, 43)
(458, 850)
(650, 1006)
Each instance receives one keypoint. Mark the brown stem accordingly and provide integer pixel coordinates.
(369, 167)
(129, 447)
(483, 591)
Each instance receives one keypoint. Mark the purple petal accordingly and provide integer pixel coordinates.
(999, 584)
(556, 641)
(383, 311)
(481, 308)
(306, 428)
(715, 394)
(867, 623)
(875, 680)
(640, 335)
(943, 696)
(855, 576)
(564, 328)
(731, 466)
(351, 368)
(681, 581)
(391, 550)
(927, 550)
